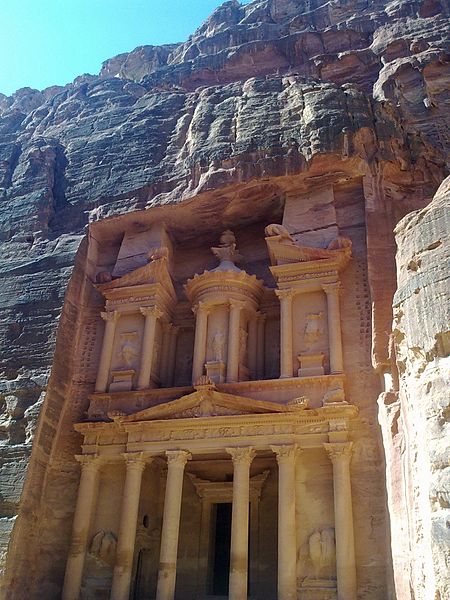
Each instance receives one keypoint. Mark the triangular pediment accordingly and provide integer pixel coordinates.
(207, 402)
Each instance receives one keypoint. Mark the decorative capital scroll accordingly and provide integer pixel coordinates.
(178, 457)
(339, 452)
(151, 311)
(332, 288)
(243, 455)
(88, 462)
(237, 304)
(285, 452)
(136, 460)
(201, 307)
(110, 316)
(284, 295)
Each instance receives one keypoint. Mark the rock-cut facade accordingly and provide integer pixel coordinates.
(224, 314)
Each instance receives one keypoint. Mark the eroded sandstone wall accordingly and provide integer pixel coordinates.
(275, 90)
(415, 415)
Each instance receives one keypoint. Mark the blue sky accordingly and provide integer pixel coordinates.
(50, 42)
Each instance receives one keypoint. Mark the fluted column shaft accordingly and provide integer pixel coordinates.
(176, 460)
(287, 544)
(201, 329)
(300, 505)
(233, 340)
(242, 458)
(340, 455)
(110, 317)
(286, 360)
(80, 529)
(121, 582)
(334, 327)
(151, 314)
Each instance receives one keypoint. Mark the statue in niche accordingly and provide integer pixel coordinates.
(128, 351)
(313, 328)
(103, 547)
(242, 346)
(322, 552)
(218, 346)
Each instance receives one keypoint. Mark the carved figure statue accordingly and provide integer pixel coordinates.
(313, 328)
(218, 345)
(128, 351)
(227, 239)
(242, 346)
(103, 547)
(275, 229)
(322, 550)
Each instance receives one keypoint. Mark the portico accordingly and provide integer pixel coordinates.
(212, 424)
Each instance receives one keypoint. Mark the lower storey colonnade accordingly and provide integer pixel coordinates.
(291, 484)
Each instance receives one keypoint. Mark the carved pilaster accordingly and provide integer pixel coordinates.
(87, 493)
(286, 349)
(151, 314)
(332, 291)
(110, 318)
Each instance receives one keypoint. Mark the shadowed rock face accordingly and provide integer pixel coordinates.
(284, 93)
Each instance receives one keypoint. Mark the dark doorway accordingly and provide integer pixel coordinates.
(221, 545)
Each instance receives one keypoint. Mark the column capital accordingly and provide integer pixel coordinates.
(243, 455)
(237, 304)
(136, 460)
(88, 461)
(110, 316)
(151, 311)
(339, 451)
(201, 306)
(332, 288)
(285, 452)
(285, 294)
(178, 457)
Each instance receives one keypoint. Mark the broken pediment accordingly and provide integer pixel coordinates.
(283, 249)
(206, 401)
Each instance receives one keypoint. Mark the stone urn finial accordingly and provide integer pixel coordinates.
(226, 252)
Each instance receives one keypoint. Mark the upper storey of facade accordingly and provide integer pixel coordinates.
(249, 321)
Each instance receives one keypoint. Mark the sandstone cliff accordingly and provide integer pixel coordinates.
(269, 92)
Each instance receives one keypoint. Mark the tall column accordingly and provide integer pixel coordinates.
(80, 529)
(286, 360)
(201, 311)
(300, 506)
(151, 314)
(260, 350)
(110, 317)
(242, 458)
(334, 326)
(120, 589)
(253, 345)
(176, 460)
(340, 455)
(287, 544)
(233, 340)
(172, 355)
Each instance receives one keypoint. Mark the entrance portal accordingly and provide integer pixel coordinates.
(221, 549)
